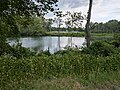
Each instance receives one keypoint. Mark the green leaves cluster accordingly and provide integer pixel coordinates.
(11, 11)
(112, 26)
(100, 48)
(74, 19)
(36, 26)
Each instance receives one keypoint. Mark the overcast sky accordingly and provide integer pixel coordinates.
(102, 10)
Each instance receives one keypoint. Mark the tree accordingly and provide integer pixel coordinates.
(10, 9)
(73, 20)
(87, 27)
(48, 24)
(58, 19)
(111, 26)
(37, 26)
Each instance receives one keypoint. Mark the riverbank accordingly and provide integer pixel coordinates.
(95, 67)
(94, 36)
(65, 70)
(54, 33)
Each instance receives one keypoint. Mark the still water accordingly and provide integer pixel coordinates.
(54, 44)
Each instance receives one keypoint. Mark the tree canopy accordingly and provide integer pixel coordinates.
(11, 11)
(111, 26)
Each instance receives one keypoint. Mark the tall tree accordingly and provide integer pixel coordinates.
(9, 9)
(87, 27)
(73, 20)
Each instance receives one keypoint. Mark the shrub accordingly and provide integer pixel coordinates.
(5, 48)
(116, 41)
(18, 73)
(99, 48)
(18, 51)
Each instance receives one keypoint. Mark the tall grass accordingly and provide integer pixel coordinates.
(21, 73)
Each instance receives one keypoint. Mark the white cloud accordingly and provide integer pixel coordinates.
(102, 11)
(106, 10)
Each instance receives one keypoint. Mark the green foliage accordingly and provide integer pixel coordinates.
(99, 48)
(18, 51)
(74, 34)
(108, 27)
(27, 7)
(116, 40)
(74, 19)
(11, 11)
(19, 73)
(5, 48)
(36, 27)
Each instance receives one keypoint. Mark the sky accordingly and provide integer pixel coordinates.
(102, 10)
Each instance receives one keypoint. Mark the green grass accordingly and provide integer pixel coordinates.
(102, 36)
(53, 33)
(74, 34)
(101, 81)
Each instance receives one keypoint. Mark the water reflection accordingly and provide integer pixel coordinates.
(54, 44)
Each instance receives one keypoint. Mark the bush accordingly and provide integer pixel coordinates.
(18, 73)
(5, 48)
(101, 48)
(116, 40)
(18, 51)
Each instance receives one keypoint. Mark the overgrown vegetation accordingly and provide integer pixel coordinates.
(90, 68)
(94, 67)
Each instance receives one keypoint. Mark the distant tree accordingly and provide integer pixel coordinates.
(48, 24)
(58, 19)
(37, 25)
(111, 26)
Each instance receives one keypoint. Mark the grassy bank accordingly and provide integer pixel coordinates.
(95, 67)
(66, 70)
(73, 34)
(54, 33)
(102, 36)
(94, 36)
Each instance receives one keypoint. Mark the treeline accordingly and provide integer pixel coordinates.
(34, 26)
(39, 26)
(112, 26)
(80, 29)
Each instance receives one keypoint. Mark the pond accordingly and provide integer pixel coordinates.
(52, 43)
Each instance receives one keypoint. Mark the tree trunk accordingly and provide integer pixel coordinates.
(87, 29)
